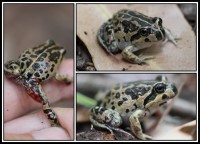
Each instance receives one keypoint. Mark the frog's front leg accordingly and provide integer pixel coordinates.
(135, 124)
(102, 117)
(128, 55)
(35, 90)
(63, 78)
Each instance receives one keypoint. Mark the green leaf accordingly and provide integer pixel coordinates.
(85, 101)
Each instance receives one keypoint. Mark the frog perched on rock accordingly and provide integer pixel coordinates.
(128, 102)
(36, 65)
(130, 31)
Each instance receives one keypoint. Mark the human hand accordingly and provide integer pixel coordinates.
(22, 122)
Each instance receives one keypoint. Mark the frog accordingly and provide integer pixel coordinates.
(35, 66)
(126, 104)
(130, 31)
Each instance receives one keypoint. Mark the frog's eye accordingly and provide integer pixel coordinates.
(144, 32)
(160, 88)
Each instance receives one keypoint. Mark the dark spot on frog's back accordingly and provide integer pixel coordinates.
(120, 103)
(117, 95)
(54, 56)
(116, 30)
(27, 52)
(33, 56)
(41, 71)
(131, 93)
(40, 59)
(36, 66)
(41, 50)
(28, 62)
(102, 110)
(125, 99)
(29, 75)
(47, 76)
(24, 59)
(113, 107)
(44, 55)
(37, 74)
(21, 65)
(51, 69)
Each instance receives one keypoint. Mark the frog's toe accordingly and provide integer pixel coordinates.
(142, 59)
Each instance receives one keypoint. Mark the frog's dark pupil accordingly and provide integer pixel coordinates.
(159, 88)
(144, 32)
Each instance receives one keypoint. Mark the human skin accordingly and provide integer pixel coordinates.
(23, 116)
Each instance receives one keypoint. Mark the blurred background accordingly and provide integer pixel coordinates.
(28, 25)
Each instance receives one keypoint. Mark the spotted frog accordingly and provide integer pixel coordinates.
(34, 66)
(126, 103)
(129, 31)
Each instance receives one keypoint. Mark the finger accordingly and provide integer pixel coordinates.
(38, 121)
(52, 133)
(18, 103)
(66, 120)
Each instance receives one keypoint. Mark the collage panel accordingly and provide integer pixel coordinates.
(38, 101)
(132, 36)
(130, 107)
(63, 76)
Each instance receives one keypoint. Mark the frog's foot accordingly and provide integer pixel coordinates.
(142, 59)
(62, 78)
(128, 55)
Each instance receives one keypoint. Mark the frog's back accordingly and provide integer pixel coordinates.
(127, 97)
(41, 62)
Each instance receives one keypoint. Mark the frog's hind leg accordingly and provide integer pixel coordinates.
(47, 109)
(105, 118)
(37, 93)
(105, 36)
(63, 78)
